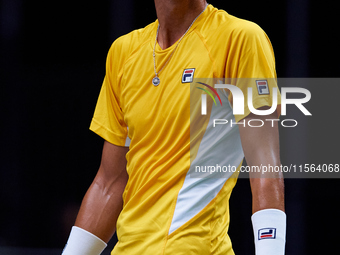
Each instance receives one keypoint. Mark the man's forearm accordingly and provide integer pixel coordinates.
(261, 147)
(268, 193)
(101, 207)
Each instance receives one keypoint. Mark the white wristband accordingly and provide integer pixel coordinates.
(82, 242)
(269, 227)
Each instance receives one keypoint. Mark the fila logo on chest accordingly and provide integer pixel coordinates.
(188, 75)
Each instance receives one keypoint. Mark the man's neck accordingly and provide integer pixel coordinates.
(175, 17)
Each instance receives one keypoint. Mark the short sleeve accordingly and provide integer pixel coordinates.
(254, 67)
(108, 119)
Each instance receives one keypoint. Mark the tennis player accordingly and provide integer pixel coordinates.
(143, 188)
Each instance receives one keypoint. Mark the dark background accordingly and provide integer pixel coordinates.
(52, 65)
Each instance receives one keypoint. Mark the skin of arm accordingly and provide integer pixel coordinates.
(261, 146)
(103, 201)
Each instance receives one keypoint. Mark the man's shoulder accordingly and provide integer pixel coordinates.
(221, 22)
(128, 43)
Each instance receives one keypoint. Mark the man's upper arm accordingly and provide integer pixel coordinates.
(113, 162)
(260, 144)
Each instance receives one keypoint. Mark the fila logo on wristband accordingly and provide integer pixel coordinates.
(267, 233)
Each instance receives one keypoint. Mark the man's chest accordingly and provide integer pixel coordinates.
(143, 103)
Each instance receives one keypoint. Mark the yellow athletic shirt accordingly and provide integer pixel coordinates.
(167, 211)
